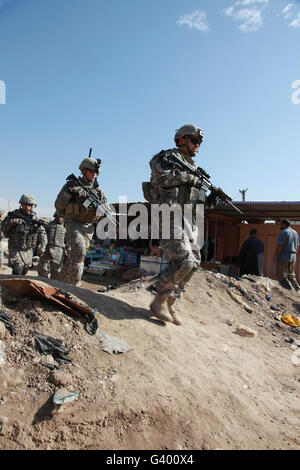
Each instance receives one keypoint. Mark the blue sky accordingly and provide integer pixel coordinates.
(122, 76)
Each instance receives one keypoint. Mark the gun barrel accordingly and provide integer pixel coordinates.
(236, 208)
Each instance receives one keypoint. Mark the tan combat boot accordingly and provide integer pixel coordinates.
(156, 308)
(171, 302)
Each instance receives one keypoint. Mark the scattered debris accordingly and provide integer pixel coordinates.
(64, 395)
(238, 298)
(49, 345)
(42, 291)
(291, 320)
(245, 331)
(8, 322)
(113, 345)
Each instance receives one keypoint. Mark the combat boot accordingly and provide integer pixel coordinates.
(156, 308)
(170, 302)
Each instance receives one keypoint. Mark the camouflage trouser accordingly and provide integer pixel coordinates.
(78, 237)
(183, 262)
(19, 260)
(50, 263)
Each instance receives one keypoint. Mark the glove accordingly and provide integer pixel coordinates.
(78, 191)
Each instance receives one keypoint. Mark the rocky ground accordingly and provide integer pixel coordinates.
(228, 378)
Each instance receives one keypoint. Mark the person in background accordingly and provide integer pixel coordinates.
(285, 256)
(251, 256)
(51, 261)
(79, 218)
(25, 233)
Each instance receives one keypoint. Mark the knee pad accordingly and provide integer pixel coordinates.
(18, 269)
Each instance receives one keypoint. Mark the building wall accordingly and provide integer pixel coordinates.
(268, 234)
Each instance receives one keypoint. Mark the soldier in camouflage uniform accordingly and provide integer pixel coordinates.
(173, 186)
(51, 261)
(79, 218)
(25, 232)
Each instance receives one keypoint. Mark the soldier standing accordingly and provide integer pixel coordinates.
(25, 232)
(51, 261)
(173, 186)
(79, 218)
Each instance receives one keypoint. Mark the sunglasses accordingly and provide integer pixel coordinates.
(195, 141)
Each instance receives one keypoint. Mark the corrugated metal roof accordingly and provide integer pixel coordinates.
(260, 210)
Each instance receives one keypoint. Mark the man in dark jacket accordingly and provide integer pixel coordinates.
(251, 256)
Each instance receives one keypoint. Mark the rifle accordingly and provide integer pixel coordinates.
(93, 199)
(29, 220)
(204, 182)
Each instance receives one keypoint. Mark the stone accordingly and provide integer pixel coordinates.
(60, 378)
(243, 330)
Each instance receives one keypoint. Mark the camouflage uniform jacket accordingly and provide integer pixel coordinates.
(170, 184)
(23, 235)
(72, 206)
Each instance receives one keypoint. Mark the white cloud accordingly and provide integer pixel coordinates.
(248, 13)
(287, 11)
(245, 3)
(195, 20)
(296, 22)
(290, 14)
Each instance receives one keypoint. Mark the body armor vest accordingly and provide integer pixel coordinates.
(56, 234)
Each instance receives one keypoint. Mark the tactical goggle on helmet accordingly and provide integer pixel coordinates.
(27, 199)
(189, 130)
(90, 164)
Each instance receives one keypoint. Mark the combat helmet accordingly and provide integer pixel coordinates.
(90, 164)
(27, 199)
(189, 129)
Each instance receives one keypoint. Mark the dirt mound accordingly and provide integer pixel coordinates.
(199, 385)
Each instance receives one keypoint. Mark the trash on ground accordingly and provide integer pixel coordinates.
(291, 320)
(8, 322)
(53, 346)
(42, 291)
(64, 395)
(238, 298)
(113, 345)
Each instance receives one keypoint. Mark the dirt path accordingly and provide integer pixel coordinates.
(196, 386)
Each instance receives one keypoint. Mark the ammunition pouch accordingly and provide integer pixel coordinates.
(151, 194)
(197, 195)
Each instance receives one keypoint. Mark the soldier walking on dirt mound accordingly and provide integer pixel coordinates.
(51, 261)
(72, 204)
(25, 232)
(172, 186)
